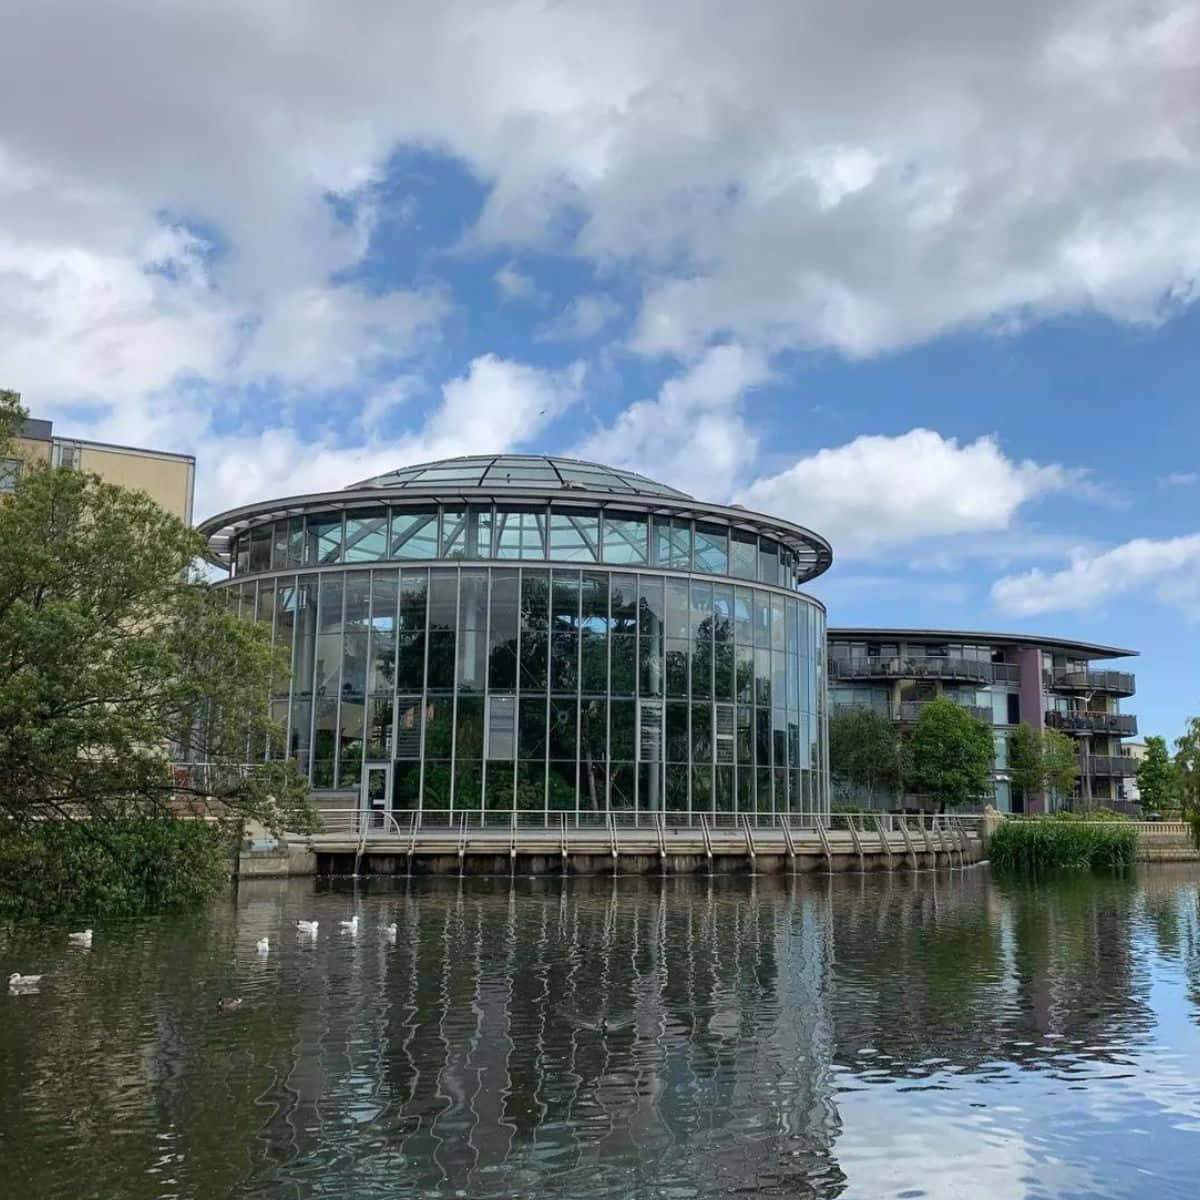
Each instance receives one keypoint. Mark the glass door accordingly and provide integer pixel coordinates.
(377, 793)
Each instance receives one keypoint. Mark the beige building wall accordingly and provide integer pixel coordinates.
(168, 479)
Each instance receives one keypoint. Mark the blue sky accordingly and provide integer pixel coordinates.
(927, 285)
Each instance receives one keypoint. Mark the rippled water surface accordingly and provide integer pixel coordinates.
(939, 1035)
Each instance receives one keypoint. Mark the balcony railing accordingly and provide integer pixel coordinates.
(910, 710)
(1119, 683)
(1122, 724)
(911, 666)
(1108, 766)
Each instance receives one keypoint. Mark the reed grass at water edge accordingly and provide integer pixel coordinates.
(1050, 845)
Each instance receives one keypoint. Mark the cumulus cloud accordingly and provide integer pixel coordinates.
(876, 491)
(824, 174)
(496, 405)
(1179, 479)
(515, 285)
(692, 434)
(1169, 568)
(583, 318)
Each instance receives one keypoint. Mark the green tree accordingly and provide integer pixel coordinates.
(949, 755)
(1025, 763)
(864, 750)
(116, 660)
(1043, 761)
(1187, 769)
(1060, 764)
(1156, 777)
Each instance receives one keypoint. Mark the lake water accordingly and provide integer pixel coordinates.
(939, 1035)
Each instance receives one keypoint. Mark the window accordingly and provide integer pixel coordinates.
(521, 533)
(744, 559)
(69, 455)
(673, 543)
(10, 473)
(574, 535)
(712, 549)
(624, 538)
(366, 536)
(414, 533)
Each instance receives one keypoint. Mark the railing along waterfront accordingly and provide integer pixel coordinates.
(1123, 724)
(401, 823)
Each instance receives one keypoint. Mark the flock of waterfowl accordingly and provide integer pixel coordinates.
(26, 985)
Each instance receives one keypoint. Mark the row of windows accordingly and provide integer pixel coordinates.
(386, 630)
(846, 650)
(995, 707)
(540, 533)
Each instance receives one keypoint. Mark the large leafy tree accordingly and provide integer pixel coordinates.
(116, 660)
(1156, 777)
(1187, 769)
(1043, 761)
(864, 750)
(949, 755)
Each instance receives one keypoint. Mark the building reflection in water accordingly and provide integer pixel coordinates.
(682, 1037)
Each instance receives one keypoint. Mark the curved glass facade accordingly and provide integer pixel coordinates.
(534, 532)
(531, 650)
(559, 689)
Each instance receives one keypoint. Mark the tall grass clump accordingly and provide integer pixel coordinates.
(1038, 847)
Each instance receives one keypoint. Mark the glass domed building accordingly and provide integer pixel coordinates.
(534, 632)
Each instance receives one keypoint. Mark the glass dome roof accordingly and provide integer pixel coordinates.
(540, 472)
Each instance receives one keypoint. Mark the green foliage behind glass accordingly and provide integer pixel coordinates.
(124, 868)
(1062, 845)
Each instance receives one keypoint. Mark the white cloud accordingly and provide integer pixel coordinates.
(812, 175)
(1169, 568)
(876, 492)
(692, 435)
(496, 405)
(1179, 479)
(583, 317)
(514, 285)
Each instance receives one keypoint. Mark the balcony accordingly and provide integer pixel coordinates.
(1106, 766)
(910, 711)
(1122, 724)
(1117, 683)
(910, 666)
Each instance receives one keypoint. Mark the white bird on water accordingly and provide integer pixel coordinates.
(350, 926)
(18, 983)
(263, 945)
(390, 932)
(82, 938)
(309, 927)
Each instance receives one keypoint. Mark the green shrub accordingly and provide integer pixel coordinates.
(61, 869)
(1063, 845)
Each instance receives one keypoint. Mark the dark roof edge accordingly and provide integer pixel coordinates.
(1090, 649)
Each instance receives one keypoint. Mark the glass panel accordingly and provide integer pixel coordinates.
(531, 786)
(301, 728)
(454, 533)
(443, 599)
(535, 615)
(379, 728)
(354, 665)
(303, 657)
(366, 536)
(702, 741)
(625, 538)
(436, 793)
(677, 733)
(712, 549)
(279, 547)
(622, 778)
(406, 785)
(624, 668)
(501, 727)
(260, 548)
(574, 535)
(762, 619)
(520, 533)
(531, 728)
(561, 795)
(678, 619)
(329, 638)
(744, 555)
(350, 742)
(498, 786)
(384, 593)
(768, 562)
(414, 532)
(677, 788)
(622, 730)
(409, 713)
(324, 539)
(702, 789)
(285, 628)
(673, 543)
(677, 667)
(241, 555)
(441, 662)
(439, 726)
(358, 600)
(563, 729)
(468, 723)
(502, 637)
(295, 544)
(468, 785)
